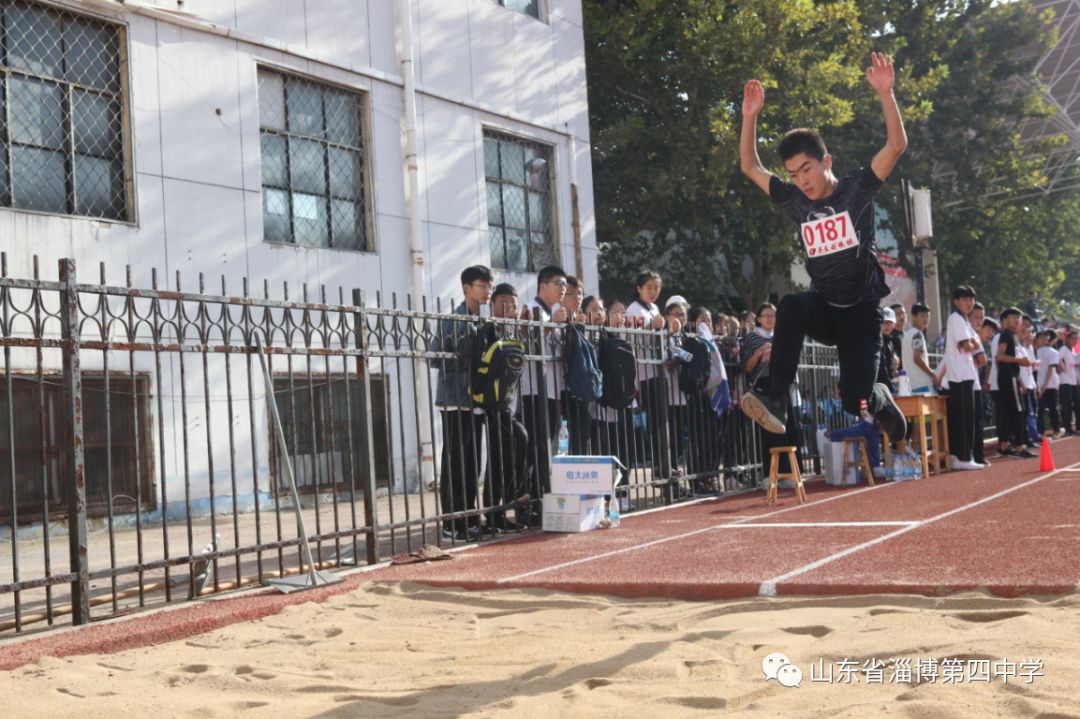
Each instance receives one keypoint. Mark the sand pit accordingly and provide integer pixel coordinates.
(409, 650)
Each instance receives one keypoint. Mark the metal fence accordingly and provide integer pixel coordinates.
(138, 464)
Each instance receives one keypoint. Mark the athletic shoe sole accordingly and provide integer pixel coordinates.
(756, 410)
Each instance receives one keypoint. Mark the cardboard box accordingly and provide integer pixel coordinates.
(572, 512)
(582, 475)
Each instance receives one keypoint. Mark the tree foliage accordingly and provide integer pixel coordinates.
(665, 80)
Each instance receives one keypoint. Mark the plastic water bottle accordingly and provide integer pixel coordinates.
(613, 510)
(903, 384)
(564, 440)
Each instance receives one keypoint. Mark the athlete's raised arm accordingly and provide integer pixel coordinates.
(753, 101)
(881, 77)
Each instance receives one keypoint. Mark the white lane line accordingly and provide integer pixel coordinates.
(768, 587)
(812, 525)
(665, 540)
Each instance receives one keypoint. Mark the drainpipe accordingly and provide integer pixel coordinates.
(575, 216)
(416, 242)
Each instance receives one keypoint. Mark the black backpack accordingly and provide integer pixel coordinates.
(496, 369)
(618, 366)
(583, 377)
(694, 374)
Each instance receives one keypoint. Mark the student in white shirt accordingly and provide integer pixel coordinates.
(644, 314)
(1068, 392)
(961, 342)
(1027, 378)
(1048, 381)
(913, 352)
(539, 408)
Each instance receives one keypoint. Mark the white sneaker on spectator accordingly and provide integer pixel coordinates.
(1059, 434)
(958, 465)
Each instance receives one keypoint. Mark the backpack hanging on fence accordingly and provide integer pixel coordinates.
(619, 369)
(497, 365)
(584, 380)
(694, 374)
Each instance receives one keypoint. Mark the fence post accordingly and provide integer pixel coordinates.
(73, 436)
(368, 440)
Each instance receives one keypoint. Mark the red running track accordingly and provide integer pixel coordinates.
(1009, 529)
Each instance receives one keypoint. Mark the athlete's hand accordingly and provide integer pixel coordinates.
(753, 99)
(880, 73)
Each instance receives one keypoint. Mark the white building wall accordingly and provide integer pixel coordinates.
(196, 164)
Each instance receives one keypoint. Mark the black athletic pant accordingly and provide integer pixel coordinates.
(999, 420)
(980, 413)
(961, 418)
(854, 331)
(653, 401)
(540, 416)
(578, 424)
(459, 477)
(1011, 412)
(1049, 403)
(507, 464)
(1067, 393)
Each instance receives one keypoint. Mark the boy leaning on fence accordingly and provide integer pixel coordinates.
(462, 425)
(539, 405)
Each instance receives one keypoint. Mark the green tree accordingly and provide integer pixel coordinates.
(664, 91)
(664, 85)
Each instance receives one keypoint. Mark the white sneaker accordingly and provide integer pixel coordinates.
(958, 465)
(1059, 434)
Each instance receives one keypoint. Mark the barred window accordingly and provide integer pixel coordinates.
(61, 113)
(518, 179)
(312, 163)
(527, 7)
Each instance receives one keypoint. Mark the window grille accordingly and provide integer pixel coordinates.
(61, 113)
(518, 179)
(314, 188)
(526, 7)
(38, 426)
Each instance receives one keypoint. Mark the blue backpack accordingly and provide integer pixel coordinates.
(583, 377)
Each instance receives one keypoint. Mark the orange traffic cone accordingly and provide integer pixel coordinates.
(1046, 460)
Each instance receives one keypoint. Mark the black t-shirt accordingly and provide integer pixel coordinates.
(1008, 370)
(837, 237)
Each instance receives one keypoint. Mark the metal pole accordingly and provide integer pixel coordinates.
(314, 577)
(76, 495)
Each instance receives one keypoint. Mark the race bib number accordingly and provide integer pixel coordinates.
(828, 235)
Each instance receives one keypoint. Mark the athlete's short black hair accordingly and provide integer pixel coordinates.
(918, 308)
(1010, 312)
(476, 273)
(963, 291)
(799, 140)
(549, 273)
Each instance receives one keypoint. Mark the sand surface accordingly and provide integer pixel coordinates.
(391, 650)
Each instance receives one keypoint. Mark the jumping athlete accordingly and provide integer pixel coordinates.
(836, 228)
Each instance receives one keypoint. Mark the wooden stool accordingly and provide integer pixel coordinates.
(775, 475)
(862, 464)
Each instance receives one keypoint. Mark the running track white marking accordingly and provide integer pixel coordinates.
(665, 540)
(812, 525)
(768, 587)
